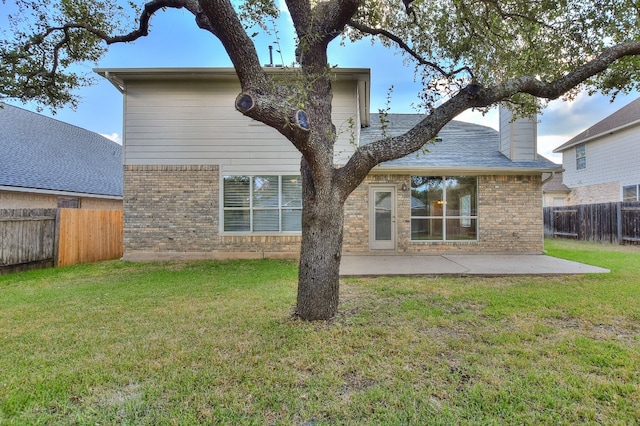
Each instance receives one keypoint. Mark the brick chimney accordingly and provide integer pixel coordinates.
(518, 139)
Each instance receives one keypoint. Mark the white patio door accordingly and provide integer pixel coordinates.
(382, 217)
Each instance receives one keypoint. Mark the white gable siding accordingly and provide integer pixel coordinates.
(346, 117)
(505, 132)
(613, 158)
(194, 122)
(518, 139)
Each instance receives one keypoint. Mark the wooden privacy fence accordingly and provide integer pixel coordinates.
(27, 239)
(37, 238)
(605, 222)
(87, 236)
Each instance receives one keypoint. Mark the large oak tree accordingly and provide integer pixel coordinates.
(467, 54)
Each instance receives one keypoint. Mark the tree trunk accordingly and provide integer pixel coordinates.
(320, 254)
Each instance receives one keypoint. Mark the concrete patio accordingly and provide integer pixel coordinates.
(461, 265)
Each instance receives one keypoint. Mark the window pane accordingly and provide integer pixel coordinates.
(265, 220)
(292, 191)
(259, 204)
(383, 216)
(630, 193)
(426, 196)
(265, 191)
(236, 191)
(291, 220)
(461, 229)
(461, 196)
(581, 163)
(581, 157)
(236, 221)
(426, 229)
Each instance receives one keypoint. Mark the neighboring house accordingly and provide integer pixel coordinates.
(203, 181)
(45, 163)
(554, 192)
(602, 164)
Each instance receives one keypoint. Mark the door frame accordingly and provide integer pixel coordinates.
(382, 244)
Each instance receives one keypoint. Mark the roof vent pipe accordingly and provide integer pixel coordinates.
(270, 56)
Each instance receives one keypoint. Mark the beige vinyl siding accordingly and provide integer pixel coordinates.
(345, 107)
(195, 122)
(524, 140)
(518, 139)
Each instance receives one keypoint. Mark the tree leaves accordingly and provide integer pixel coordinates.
(501, 40)
(450, 41)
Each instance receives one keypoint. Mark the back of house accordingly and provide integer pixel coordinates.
(203, 181)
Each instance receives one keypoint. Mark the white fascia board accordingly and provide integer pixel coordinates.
(462, 171)
(54, 192)
(221, 73)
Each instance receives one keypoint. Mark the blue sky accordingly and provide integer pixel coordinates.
(175, 41)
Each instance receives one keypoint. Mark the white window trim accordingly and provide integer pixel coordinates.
(444, 217)
(222, 208)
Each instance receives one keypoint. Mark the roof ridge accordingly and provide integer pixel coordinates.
(41, 116)
(41, 152)
(625, 115)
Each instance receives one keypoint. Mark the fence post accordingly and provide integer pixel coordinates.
(56, 239)
(619, 223)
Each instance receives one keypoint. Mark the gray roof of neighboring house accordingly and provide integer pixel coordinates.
(625, 116)
(42, 153)
(464, 146)
(554, 184)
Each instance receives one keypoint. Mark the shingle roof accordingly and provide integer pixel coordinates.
(622, 117)
(38, 152)
(554, 184)
(464, 146)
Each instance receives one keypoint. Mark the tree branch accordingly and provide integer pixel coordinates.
(404, 46)
(510, 15)
(148, 11)
(262, 98)
(317, 26)
(335, 14)
(368, 156)
(48, 62)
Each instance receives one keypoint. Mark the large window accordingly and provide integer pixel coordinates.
(631, 193)
(262, 204)
(444, 208)
(581, 157)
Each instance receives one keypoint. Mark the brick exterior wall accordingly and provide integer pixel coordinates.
(510, 214)
(171, 212)
(509, 218)
(610, 192)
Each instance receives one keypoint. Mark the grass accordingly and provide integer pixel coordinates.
(214, 343)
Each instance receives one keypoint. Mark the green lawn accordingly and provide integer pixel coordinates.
(214, 343)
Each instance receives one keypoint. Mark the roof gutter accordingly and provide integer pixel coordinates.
(116, 82)
(551, 176)
(363, 94)
(63, 193)
(469, 171)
